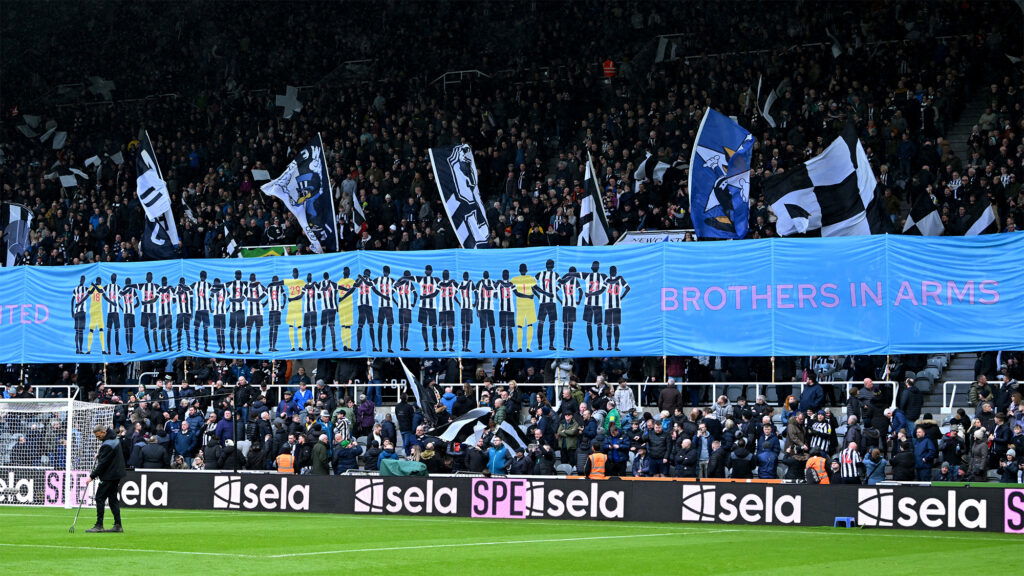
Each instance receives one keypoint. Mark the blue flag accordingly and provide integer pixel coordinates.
(720, 178)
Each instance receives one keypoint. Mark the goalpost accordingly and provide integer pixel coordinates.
(47, 450)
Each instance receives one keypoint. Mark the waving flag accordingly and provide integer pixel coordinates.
(924, 218)
(720, 178)
(15, 222)
(305, 188)
(160, 240)
(456, 177)
(832, 194)
(593, 220)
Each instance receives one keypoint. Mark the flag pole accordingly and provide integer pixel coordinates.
(369, 375)
(460, 371)
(273, 372)
(330, 190)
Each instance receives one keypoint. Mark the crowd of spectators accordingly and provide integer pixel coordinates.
(530, 125)
(325, 428)
(205, 93)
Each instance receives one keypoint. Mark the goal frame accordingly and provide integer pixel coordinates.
(70, 498)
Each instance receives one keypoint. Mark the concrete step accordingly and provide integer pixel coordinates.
(958, 133)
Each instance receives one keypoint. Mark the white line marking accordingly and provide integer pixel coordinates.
(105, 549)
(206, 516)
(469, 544)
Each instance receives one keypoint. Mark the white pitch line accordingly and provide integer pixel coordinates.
(206, 516)
(469, 544)
(143, 550)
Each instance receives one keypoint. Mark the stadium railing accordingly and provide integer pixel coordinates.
(949, 392)
(391, 389)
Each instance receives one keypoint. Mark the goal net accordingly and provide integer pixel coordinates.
(47, 450)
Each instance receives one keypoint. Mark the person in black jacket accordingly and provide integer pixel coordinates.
(231, 458)
(154, 455)
(403, 416)
(716, 461)
(685, 460)
(910, 400)
(110, 470)
(741, 461)
(903, 463)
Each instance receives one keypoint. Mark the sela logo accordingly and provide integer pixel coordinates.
(521, 498)
(881, 507)
(372, 497)
(144, 492)
(702, 503)
(17, 490)
(1013, 513)
(229, 492)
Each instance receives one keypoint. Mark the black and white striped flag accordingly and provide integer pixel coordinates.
(424, 401)
(833, 193)
(160, 240)
(764, 106)
(593, 220)
(456, 176)
(981, 218)
(924, 219)
(358, 216)
(232, 247)
(15, 222)
(513, 435)
(152, 188)
(650, 170)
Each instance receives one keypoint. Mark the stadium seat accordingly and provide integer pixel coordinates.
(848, 521)
(924, 382)
(563, 469)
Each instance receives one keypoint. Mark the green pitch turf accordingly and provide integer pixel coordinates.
(36, 541)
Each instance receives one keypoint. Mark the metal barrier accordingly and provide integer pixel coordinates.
(68, 391)
(394, 387)
(949, 389)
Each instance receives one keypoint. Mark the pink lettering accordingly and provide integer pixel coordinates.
(45, 315)
(691, 295)
(782, 296)
(953, 290)
(853, 295)
(766, 297)
(668, 299)
(829, 291)
(865, 293)
(25, 308)
(721, 294)
(10, 311)
(905, 293)
(737, 292)
(989, 287)
(932, 290)
(806, 293)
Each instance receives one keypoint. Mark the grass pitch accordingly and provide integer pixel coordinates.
(36, 541)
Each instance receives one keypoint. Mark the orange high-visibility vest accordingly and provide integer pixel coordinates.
(597, 461)
(609, 68)
(285, 463)
(817, 463)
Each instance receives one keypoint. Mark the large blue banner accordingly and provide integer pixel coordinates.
(784, 297)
